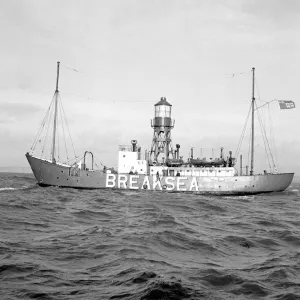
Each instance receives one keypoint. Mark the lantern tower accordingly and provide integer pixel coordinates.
(162, 125)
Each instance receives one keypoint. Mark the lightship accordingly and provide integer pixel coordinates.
(160, 169)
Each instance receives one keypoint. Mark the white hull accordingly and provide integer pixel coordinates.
(50, 174)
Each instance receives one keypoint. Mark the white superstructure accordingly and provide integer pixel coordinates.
(129, 161)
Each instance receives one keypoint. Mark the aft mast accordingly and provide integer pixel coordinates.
(55, 116)
(252, 129)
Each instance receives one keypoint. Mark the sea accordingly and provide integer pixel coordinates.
(58, 243)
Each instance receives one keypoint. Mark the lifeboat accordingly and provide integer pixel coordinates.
(174, 162)
(217, 162)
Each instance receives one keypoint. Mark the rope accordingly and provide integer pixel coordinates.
(40, 130)
(248, 162)
(242, 135)
(267, 144)
(68, 129)
(264, 137)
(272, 136)
(231, 75)
(99, 162)
(47, 130)
(63, 128)
(57, 134)
(263, 126)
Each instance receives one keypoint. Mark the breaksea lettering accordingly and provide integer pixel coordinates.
(135, 182)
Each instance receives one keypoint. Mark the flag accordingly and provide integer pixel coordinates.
(286, 104)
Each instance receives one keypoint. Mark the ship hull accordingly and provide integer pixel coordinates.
(51, 174)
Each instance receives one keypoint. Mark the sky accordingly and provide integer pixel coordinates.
(119, 57)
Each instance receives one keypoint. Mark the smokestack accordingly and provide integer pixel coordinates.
(221, 156)
(133, 143)
(177, 150)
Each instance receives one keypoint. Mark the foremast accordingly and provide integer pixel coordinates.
(55, 116)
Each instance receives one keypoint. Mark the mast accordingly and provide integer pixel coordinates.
(55, 115)
(252, 129)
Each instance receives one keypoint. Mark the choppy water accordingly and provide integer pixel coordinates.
(103, 244)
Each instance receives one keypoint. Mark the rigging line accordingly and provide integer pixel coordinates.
(257, 89)
(249, 146)
(273, 136)
(68, 129)
(64, 136)
(74, 158)
(37, 136)
(42, 133)
(32, 149)
(48, 125)
(264, 137)
(49, 133)
(57, 132)
(262, 122)
(264, 134)
(100, 98)
(231, 75)
(40, 129)
(243, 134)
(73, 69)
(99, 161)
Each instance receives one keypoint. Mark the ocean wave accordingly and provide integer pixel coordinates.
(218, 279)
(287, 296)
(86, 214)
(156, 287)
(166, 290)
(3, 189)
(251, 289)
(9, 269)
(29, 294)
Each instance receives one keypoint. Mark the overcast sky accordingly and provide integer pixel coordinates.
(127, 54)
